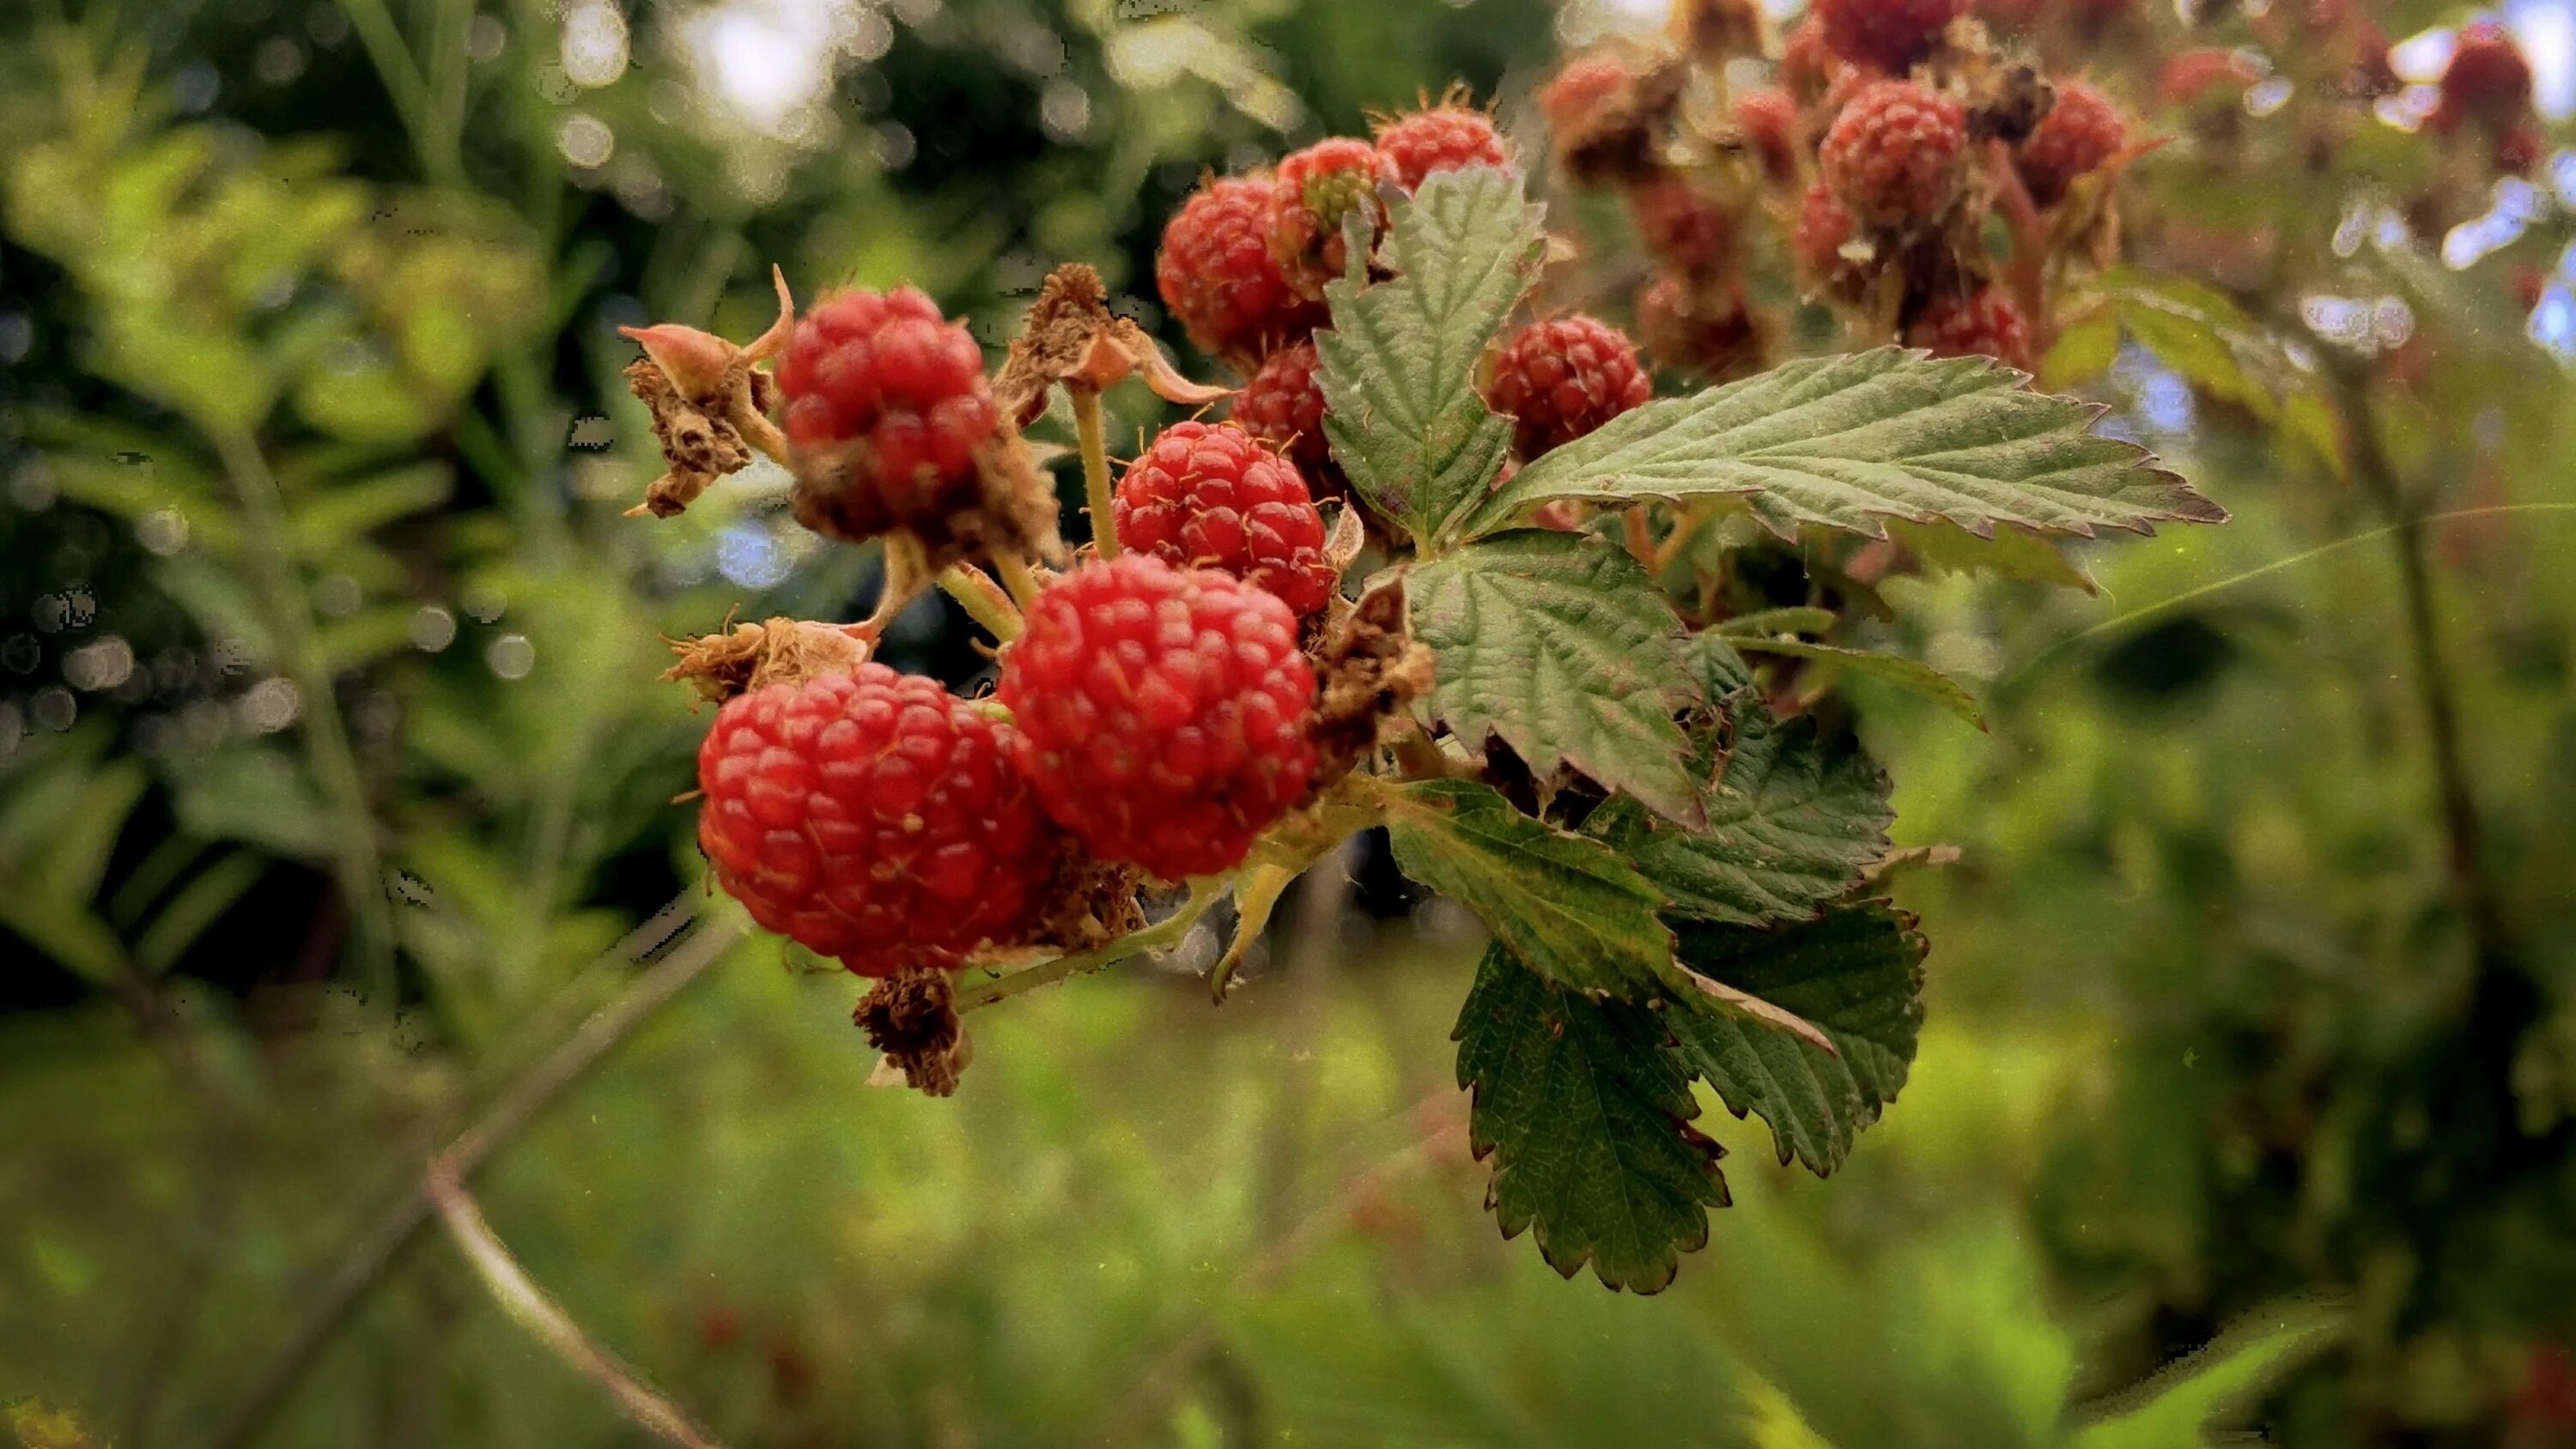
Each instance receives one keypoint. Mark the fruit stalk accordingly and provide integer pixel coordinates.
(1096, 488)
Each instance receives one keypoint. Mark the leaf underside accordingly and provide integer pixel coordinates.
(1912, 675)
(1849, 442)
(1558, 643)
(1399, 364)
(1586, 1116)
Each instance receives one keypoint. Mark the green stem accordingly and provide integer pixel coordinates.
(1205, 891)
(1095, 469)
(409, 89)
(333, 760)
(982, 599)
(1017, 578)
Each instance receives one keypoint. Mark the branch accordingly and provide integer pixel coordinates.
(543, 1317)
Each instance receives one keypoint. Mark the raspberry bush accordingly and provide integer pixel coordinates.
(1561, 689)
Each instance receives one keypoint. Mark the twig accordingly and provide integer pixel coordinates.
(1205, 891)
(1095, 468)
(541, 1316)
(516, 1105)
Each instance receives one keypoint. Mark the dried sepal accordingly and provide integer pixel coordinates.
(1368, 672)
(709, 402)
(1008, 510)
(775, 651)
(1069, 336)
(912, 1018)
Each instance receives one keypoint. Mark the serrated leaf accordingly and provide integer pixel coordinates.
(1849, 442)
(1567, 906)
(1907, 674)
(1586, 1117)
(1555, 642)
(1715, 664)
(1402, 410)
(1792, 823)
(1857, 975)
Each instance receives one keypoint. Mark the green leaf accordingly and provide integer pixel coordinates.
(1849, 442)
(2009, 553)
(1856, 975)
(1779, 621)
(1556, 642)
(1567, 906)
(1907, 674)
(1715, 664)
(1587, 1117)
(1399, 363)
(1792, 823)
(2179, 1405)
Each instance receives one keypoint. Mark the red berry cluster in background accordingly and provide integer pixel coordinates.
(884, 377)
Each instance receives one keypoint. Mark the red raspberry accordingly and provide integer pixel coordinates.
(872, 816)
(1888, 34)
(1216, 273)
(1163, 713)
(1283, 406)
(1576, 95)
(1806, 63)
(1825, 227)
(1982, 323)
(1561, 379)
(1212, 496)
(1319, 188)
(1713, 334)
(1893, 155)
(2487, 79)
(884, 370)
(1677, 224)
(1769, 122)
(2209, 73)
(1442, 138)
(2078, 134)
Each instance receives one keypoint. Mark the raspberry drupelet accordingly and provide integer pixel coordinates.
(1210, 495)
(1560, 379)
(1894, 153)
(1164, 714)
(902, 389)
(874, 817)
(1216, 272)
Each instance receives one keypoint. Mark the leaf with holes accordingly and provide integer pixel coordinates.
(1557, 643)
(1849, 442)
(1586, 1117)
(1856, 975)
(1399, 364)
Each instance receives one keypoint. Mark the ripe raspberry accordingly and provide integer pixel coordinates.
(1806, 63)
(1888, 34)
(1769, 121)
(1216, 273)
(1685, 229)
(1319, 188)
(1212, 496)
(2207, 74)
(1825, 227)
(884, 370)
(1982, 323)
(1283, 406)
(872, 816)
(1561, 379)
(1893, 155)
(2078, 134)
(1163, 713)
(2487, 80)
(1442, 138)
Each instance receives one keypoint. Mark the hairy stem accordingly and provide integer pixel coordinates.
(1205, 892)
(1017, 577)
(1095, 468)
(982, 599)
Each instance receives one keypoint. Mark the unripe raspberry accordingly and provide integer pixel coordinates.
(2079, 133)
(1768, 120)
(1824, 228)
(1217, 274)
(1982, 323)
(1319, 188)
(1679, 225)
(2487, 80)
(1214, 496)
(884, 372)
(1442, 138)
(1560, 379)
(1283, 405)
(874, 817)
(1163, 713)
(1893, 154)
(1889, 35)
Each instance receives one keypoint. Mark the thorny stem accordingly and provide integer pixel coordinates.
(538, 1313)
(1095, 468)
(1205, 891)
(982, 599)
(326, 736)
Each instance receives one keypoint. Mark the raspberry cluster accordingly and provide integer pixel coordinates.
(874, 817)
(1283, 405)
(1886, 35)
(1218, 275)
(1318, 190)
(1164, 713)
(1560, 379)
(1447, 137)
(881, 382)
(1213, 496)
(1893, 154)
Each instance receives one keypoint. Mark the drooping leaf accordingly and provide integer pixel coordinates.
(1586, 1116)
(1399, 363)
(2185, 1402)
(1793, 822)
(1556, 642)
(1567, 906)
(1851, 441)
(1857, 975)
(1908, 674)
